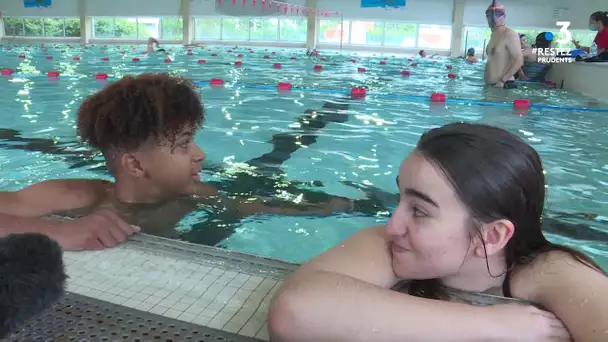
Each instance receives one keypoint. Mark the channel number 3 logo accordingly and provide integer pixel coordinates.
(566, 36)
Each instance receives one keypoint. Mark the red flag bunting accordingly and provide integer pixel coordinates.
(254, 2)
(219, 2)
(244, 3)
(278, 7)
(233, 2)
(285, 10)
(263, 5)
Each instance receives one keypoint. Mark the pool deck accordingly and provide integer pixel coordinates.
(195, 284)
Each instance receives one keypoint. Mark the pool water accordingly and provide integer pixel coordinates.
(360, 143)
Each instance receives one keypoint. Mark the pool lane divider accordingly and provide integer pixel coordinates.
(355, 93)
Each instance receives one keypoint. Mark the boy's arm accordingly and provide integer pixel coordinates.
(20, 211)
(253, 206)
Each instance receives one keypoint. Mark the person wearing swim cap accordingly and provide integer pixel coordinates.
(471, 56)
(505, 57)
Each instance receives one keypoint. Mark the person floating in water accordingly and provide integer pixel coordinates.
(151, 42)
(504, 53)
(471, 56)
(144, 126)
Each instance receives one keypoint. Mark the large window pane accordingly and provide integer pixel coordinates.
(72, 27)
(125, 27)
(13, 27)
(330, 31)
(434, 36)
(366, 32)
(265, 29)
(235, 29)
(400, 34)
(477, 37)
(148, 27)
(293, 30)
(103, 27)
(34, 27)
(585, 38)
(53, 27)
(171, 29)
(207, 28)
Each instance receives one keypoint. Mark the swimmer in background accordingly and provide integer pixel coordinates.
(144, 125)
(151, 42)
(312, 53)
(505, 57)
(471, 56)
(532, 70)
(423, 54)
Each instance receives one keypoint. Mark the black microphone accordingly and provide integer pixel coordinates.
(32, 278)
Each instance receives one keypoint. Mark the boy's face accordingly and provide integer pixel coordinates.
(172, 169)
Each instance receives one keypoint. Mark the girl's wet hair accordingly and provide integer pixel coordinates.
(498, 176)
(601, 16)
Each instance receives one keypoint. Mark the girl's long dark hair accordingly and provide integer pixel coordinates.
(497, 175)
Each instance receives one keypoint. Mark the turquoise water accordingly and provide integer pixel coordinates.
(364, 144)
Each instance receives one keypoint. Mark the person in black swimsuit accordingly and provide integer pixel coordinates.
(469, 218)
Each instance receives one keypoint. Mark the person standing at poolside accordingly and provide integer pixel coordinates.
(144, 125)
(504, 53)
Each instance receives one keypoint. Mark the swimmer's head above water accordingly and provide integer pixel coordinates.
(496, 15)
(145, 125)
(471, 52)
(457, 223)
(422, 53)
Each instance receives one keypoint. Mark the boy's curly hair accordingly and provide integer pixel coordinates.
(134, 109)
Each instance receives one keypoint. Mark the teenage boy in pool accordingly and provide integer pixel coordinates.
(144, 126)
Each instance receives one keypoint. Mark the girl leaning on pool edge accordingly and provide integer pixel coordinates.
(469, 218)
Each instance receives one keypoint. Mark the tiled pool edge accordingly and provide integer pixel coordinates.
(206, 286)
(213, 256)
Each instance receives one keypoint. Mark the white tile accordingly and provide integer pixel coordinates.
(153, 300)
(172, 313)
(253, 282)
(263, 333)
(202, 320)
(180, 306)
(187, 317)
(252, 327)
(158, 310)
(144, 306)
(219, 321)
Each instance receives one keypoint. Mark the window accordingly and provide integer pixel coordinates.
(165, 28)
(125, 27)
(477, 38)
(334, 31)
(53, 27)
(72, 27)
(171, 29)
(42, 27)
(207, 28)
(235, 29)
(103, 27)
(400, 34)
(434, 36)
(264, 29)
(13, 27)
(366, 33)
(293, 30)
(34, 27)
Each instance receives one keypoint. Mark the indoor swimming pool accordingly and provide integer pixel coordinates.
(307, 143)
